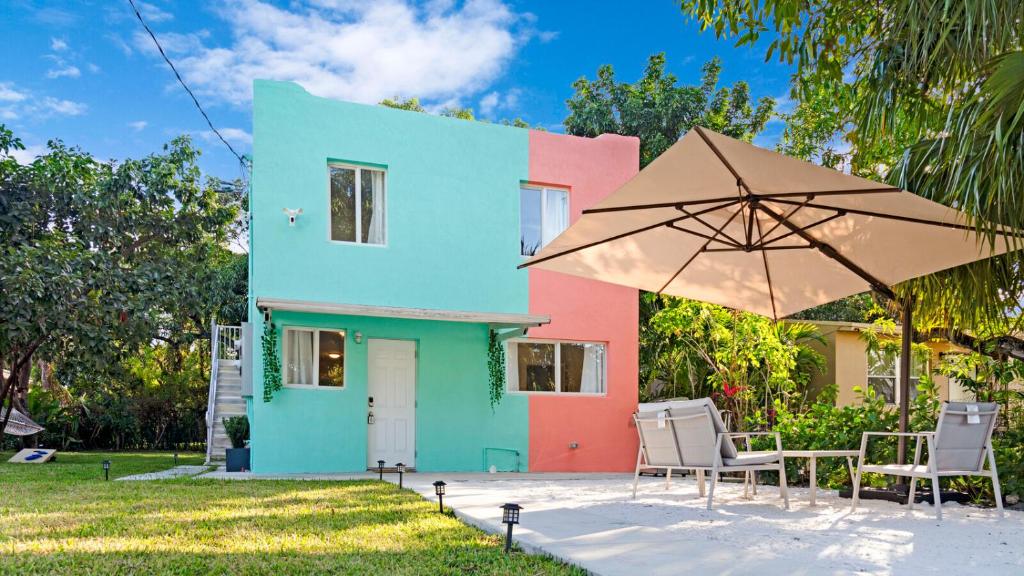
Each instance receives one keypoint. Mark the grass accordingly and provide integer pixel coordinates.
(62, 518)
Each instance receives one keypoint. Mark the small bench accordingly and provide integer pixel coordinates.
(813, 456)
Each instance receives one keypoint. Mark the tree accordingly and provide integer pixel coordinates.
(413, 105)
(929, 96)
(100, 258)
(659, 111)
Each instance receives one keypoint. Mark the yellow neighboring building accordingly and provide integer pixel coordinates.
(849, 365)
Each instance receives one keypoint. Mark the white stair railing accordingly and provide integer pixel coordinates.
(211, 402)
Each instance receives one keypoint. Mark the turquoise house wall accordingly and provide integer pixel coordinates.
(442, 174)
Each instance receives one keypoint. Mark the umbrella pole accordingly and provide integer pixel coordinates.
(908, 332)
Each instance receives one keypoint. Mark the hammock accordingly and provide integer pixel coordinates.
(19, 424)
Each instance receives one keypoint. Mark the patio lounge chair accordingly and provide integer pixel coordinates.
(690, 435)
(962, 438)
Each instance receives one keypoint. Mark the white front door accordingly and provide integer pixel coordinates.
(392, 401)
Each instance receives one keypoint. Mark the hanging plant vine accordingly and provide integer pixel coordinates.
(496, 369)
(271, 364)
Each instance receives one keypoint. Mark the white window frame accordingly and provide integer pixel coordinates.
(543, 211)
(512, 366)
(359, 205)
(316, 358)
(896, 374)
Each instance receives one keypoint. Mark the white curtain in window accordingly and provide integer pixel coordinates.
(375, 234)
(556, 214)
(592, 369)
(300, 357)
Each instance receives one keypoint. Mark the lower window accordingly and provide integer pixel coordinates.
(314, 357)
(556, 367)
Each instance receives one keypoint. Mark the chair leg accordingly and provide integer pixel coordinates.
(746, 484)
(995, 480)
(753, 481)
(668, 477)
(714, 481)
(937, 496)
(636, 475)
(910, 497)
(783, 487)
(701, 487)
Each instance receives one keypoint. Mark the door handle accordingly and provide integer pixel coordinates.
(369, 418)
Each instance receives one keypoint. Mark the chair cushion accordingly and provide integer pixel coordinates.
(752, 458)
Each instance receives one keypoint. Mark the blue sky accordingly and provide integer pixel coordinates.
(85, 72)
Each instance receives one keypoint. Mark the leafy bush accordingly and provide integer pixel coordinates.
(237, 428)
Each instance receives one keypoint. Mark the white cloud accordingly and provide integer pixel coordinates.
(138, 125)
(361, 51)
(153, 14)
(493, 102)
(234, 135)
(58, 44)
(9, 94)
(67, 70)
(61, 107)
(29, 154)
(93, 68)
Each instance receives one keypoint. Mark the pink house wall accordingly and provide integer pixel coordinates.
(586, 310)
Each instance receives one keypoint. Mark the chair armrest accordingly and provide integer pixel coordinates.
(904, 434)
(740, 434)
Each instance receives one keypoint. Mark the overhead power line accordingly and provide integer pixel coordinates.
(241, 159)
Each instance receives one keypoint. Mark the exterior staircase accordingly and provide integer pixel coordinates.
(225, 397)
(228, 402)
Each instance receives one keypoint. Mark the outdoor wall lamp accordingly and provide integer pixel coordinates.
(292, 214)
(380, 468)
(401, 472)
(510, 517)
(439, 490)
(106, 469)
(358, 337)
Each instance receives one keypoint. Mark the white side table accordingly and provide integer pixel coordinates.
(813, 456)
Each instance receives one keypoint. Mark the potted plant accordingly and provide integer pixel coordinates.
(237, 456)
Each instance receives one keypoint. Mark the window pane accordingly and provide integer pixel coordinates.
(529, 221)
(372, 191)
(298, 353)
(884, 387)
(582, 368)
(536, 367)
(556, 214)
(343, 204)
(332, 358)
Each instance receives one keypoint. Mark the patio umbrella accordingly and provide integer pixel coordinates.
(723, 221)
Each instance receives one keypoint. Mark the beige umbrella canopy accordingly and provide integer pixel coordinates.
(726, 222)
(723, 221)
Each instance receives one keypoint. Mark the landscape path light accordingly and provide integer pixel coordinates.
(439, 490)
(510, 517)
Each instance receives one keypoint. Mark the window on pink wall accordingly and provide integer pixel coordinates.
(543, 215)
(556, 367)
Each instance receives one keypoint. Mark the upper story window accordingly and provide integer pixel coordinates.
(314, 357)
(543, 214)
(357, 204)
(884, 374)
(556, 366)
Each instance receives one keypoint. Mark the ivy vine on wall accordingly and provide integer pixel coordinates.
(271, 364)
(496, 369)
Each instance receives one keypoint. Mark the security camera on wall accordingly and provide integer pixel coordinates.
(292, 214)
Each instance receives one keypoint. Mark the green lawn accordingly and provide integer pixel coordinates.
(62, 518)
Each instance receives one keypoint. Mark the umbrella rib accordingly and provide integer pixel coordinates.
(658, 205)
(911, 219)
(764, 258)
(834, 254)
(624, 234)
(725, 241)
(710, 227)
(697, 253)
(787, 217)
(721, 158)
(838, 214)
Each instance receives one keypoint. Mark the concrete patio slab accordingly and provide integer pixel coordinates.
(590, 520)
(176, 472)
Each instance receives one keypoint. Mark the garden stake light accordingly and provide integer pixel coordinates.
(380, 468)
(439, 490)
(106, 469)
(401, 471)
(510, 516)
